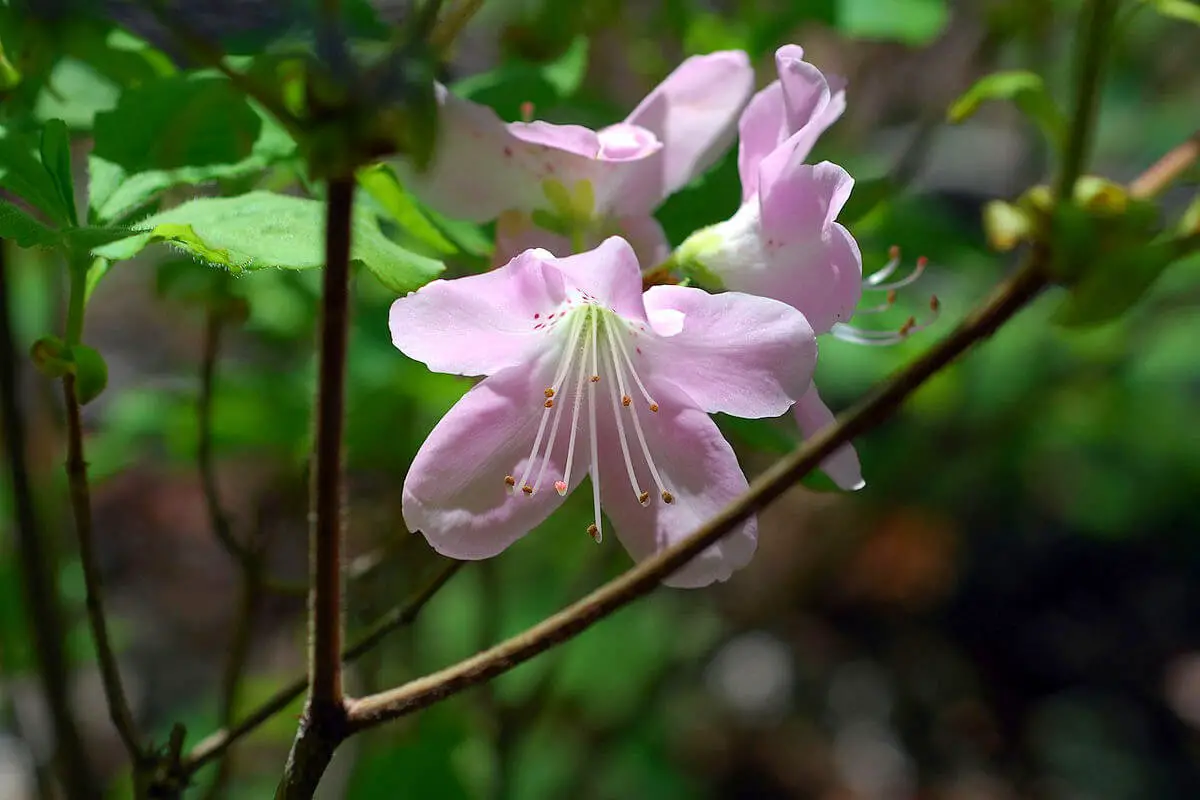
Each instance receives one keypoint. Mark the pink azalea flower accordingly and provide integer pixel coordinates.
(588, 375)
(566, 187)
(784, 241)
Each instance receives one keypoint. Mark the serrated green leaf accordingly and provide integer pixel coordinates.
(91, 373)
(262, 230)
(914, 22)
(22, 173)
(56, 158)
(381, 183)
(1026, 90)
(23, 229)
(194, 120)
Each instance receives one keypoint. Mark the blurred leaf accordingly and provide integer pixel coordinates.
(914, 22)
(178, 121)
(1185, 10)
(75, 93)
(1026, 90)
(420, 763)
(23, 229)
(1189, 223)
(513, 84)
(1006, 225)
(381, 183)
(709, 32)
(866, 197)
(22, 173)
(262, 230)
(50, 356)
(56, 158)
(1112, 285)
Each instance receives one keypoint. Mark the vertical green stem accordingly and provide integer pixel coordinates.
(1095, 29)
(38, 583)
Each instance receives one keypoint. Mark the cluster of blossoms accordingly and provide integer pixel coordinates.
(586, 373)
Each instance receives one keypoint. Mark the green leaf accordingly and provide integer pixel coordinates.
(22, 173)
(261, 230)
(115, 193)
(914, 22)
(381, 183)
(23, 229)
(91, 373)
(1111, 286)
(865, 198)
(1026, 90)
(178, 121)
(75, 93)
(50, 356)
(56, 158)
(1185, 10)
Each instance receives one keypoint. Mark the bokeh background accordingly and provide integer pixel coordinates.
(1010, 609)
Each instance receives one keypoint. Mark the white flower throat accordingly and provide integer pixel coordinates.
(595, 354)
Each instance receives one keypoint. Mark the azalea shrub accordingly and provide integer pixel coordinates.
(382, 318)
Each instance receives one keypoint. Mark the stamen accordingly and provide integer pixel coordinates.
(887, 269)
(594, 468)
(560, 375)
(633, 371)
(667, 497)
(575, 413)
(615, 338)
(633, 481)
(510, 481)
(912, 277)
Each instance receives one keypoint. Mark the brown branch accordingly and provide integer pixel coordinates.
(215, 745)
(39, 587)
(323, 725)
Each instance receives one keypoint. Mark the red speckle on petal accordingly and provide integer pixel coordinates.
(537, 316)
(639, 350)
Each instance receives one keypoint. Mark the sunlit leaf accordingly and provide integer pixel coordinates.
(913, 22)
(262, 230)
(1026, 90)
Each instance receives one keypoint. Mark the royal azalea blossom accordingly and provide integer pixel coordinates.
(588, 375)
(784, 241)
(566, 187)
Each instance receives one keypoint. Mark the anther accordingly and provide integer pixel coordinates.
(549, 404)
(549, 392)
(667, 497)
(595, 379)
(907, 327)
(527, 489)
(934, 304)
(510, 481)
(891, 300)
(644, 498)
(560, 487)
(594, 532)
(626, 400)
(894, 251)
(654, 407)
(527, 111)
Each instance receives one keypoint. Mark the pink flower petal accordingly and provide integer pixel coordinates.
(842, 467)
(694, 112)
(700, 470)
(802, 103)
(479, 324)
(610, 274)
(455, 492)
(646, 236)
(735, 353)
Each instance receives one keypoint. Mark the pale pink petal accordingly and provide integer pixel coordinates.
(609, 274)
(734, 353)
(573, 139)
(516, 233)
(794, 195)
(479, 324)
(802, 103)
(842, 467)
(700, 470)
(479, 168)
(455, 492)
(646, 236)
(694, 113)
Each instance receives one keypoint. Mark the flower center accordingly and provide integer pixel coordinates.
(595, 354)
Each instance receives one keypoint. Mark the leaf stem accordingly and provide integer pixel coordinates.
(38, 583)
(1095, 27)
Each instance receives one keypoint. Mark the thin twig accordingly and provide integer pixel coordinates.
(81, 509)
(216, 744)
(1167, 169)
(323, 725)
(38, 583)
